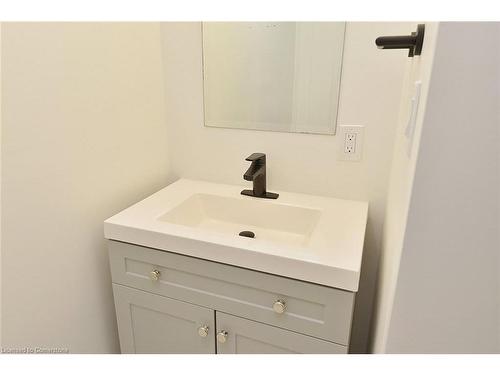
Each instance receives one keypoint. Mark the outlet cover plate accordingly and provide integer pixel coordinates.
(350, 142)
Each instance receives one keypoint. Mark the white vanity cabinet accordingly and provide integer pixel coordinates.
(171, 303)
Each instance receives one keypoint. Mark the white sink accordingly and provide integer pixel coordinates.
(306, 237)
(278, 223)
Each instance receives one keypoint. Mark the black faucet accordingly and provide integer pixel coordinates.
(257, 174)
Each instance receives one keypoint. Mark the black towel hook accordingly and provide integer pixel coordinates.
(413, 42)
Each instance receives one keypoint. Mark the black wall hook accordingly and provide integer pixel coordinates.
(413, 42)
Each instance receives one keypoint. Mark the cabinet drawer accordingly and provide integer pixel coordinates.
(312, 309)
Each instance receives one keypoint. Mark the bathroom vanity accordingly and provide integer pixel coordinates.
(185, 281)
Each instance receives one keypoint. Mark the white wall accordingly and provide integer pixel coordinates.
(418, 68)
(83, 137)
(370, 96)
(447, 293)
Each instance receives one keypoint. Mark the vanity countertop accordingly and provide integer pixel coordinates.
(300, 236)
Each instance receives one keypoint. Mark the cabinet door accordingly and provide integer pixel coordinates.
(242, 336)
(148, 323)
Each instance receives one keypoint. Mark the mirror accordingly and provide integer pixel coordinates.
(276, 76)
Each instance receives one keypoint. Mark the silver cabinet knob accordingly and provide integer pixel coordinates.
(203, 331)
(279, 306)
(222, 337)
(155, 275)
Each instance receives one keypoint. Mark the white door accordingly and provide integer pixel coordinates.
(242, 336)
(148, 323)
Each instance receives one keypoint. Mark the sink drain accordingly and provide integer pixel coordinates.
(247, 233)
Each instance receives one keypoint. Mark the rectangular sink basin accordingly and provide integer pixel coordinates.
(300, 236)
(277, 223)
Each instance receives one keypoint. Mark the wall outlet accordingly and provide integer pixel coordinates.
(350, 142)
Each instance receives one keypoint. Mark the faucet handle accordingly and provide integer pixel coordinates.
(256, 156)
